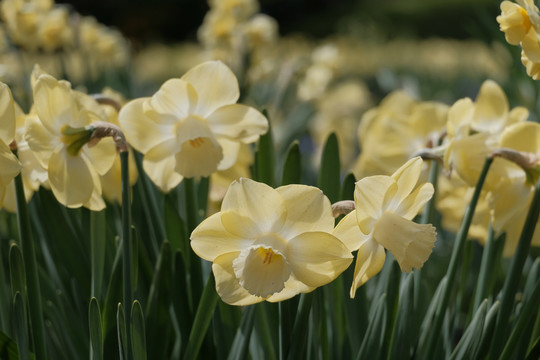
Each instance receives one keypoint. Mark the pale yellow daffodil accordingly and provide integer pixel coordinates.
(9, 164)
(474, 130)
(510, 200)
(270, 244)
(59, 137)
(192, 126)
(385, 206)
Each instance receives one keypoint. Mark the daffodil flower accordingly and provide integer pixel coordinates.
(270, 244)
(385, 206)
(192, 126)
(9, 164)
(60, 135)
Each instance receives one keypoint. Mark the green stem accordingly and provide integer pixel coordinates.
(457, 253)
(486, 269)
(32, 279)
(512, 280)
(126, 246)
(284, 328)
(191, 221)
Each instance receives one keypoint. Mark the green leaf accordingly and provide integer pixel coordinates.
(203, 315)
(347, 188)
(138, 335)
(264, 158)
(121, 332)
(299, 334)
(403, 333)
(374, 335)
(292, 167)
(180, 299)
(8, 348)
(240, 344)
(98, 244)
(470, 342)
(20, 324)
(329, 172)
(489, 327)
(175, 227)
(16, 271)
(96, 330)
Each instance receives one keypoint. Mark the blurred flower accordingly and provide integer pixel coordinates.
(473, 131)
(59, 137)
(394, 131)
(192, 126)
(9, 164)
(268, 244)
(511, 198)
(385, 206)
(33, 174)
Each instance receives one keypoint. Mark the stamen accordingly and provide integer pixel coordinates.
(196, 142)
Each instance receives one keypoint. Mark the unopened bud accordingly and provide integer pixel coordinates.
(342, 207)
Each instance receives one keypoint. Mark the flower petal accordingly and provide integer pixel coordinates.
(238, 122)
(523, 136)
(211, 239)
(215, 85)
(256, 201)
(491, 108)
(317, 258)
(406, 178)
(227, 285)
(308, 209)
(292, 288)
(174, 100)
(7, 115)
(160, 168)
(410, 243)
(412, 204)
(40, 140)
(369, 195)
(142, 132)
(55, 104)
(9, 164)
(348, 231)
(70, 178)
(231, 150)
(101, 155)
(369, 262)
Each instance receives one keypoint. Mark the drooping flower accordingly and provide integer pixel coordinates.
(385, 206)
(270, 244)
(192, 126)
(59, 137)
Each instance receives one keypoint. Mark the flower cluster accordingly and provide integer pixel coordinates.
(521, 25)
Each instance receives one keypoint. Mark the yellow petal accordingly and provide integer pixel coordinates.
(101, 155)
(369, 262)
(413, 203)
(467, 156)
(215, 85)
(523, 136)
(406, 178)
(55, 104)
(160, 168)
(227, 285)
(348, 231)
(9, 164)
(142, 132)
(317, 258)
(40, 140)
(531, 46)
(410, 243)
(292, 288)
(491, 108)
(369, 196)
(258, 202)
(240, 225)
(308, 209)
(231, 150)
(96, 202)
(70, 178)
(174, 100)
(238, 122)
(7, 115)
(211, 239)
(460, 116)
(261, 270)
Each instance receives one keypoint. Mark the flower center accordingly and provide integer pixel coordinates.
(75, 138)
(197, 142)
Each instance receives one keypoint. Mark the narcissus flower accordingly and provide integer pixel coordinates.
(60, 135)
(270, 244)
(9, 164)
(192, 126)
(385, 206)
